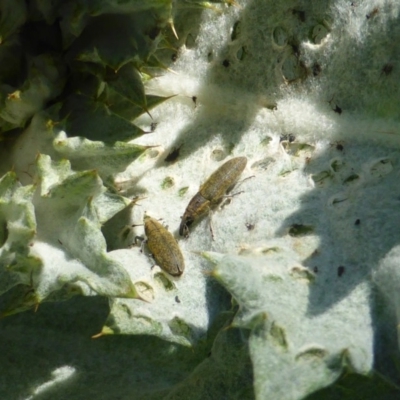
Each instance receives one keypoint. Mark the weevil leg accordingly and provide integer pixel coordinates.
(139, 239)
(142, 242)
(186, 231)
(210, 213)
(229, 196)
(245, 179)
(236, 186)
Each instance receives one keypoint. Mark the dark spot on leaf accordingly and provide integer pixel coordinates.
(351, 178)
(177, 299)
(153, 33)
(296, 49)
(316, 69)
(340, 271)
(387, 69)
(3, 233)
(300, 14)
(315, 269)
(226, 63)
(235, 30)
(358, 222)
(174, 57)
(249, 226)
(288, 137)
(372, 13)
(174, 154)
(300, 230)
(167, 183)
(337, 109)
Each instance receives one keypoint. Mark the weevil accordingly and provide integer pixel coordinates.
(212, 192)
(163, 247)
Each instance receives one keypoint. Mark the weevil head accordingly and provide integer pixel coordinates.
(187, 220)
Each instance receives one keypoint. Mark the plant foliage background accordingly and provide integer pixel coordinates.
(110, 110)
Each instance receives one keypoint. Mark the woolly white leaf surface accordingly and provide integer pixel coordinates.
(329, 207)
(178, 310)
(294, 351)
(327, 181)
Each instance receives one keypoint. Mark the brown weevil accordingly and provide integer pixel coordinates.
(212, 192)
(163, 247)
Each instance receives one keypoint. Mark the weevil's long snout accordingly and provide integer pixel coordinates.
(184, 226)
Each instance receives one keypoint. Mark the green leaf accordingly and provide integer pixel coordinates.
(107, 159)
(201, 4)
(128, 83)
(93, 120)
(18, 228)
(111, 40)
(225, 373)
(47, 8)
(177, 311)
(11, 62)
(77, 15)
(45, 80)
(126, 109)
(353, 386)
(13, 14)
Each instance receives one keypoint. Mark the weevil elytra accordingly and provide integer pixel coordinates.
(212, 191)
(164, 247)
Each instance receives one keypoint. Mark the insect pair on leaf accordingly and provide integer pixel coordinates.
(162, 244)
